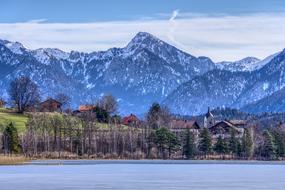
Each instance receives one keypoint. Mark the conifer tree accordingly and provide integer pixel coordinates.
(11, 139)
(220, 146)
(247, 144)
(166, 140)
(205, 143)
(189, 147)
(239, 149)
(269, 148)
(233, 143)
(279, 140)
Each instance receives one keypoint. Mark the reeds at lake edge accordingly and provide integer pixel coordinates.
(12, 160)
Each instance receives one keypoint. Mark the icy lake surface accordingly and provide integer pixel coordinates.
(143, 175)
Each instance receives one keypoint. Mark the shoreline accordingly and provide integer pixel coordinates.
(13, 160)
(21, 160)
(155, 162)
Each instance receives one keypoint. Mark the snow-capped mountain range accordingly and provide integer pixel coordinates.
(147, 70)
(225, 88)
(246, 64)
(144, 71)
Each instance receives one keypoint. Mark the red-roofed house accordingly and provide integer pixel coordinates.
(86, 108)
(131, 121)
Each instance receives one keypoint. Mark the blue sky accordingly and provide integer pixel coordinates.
(110, 10)
(220, 29)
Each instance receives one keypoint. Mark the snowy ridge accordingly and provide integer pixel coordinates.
(144, 71)
(56, 53)
(229, 89)
(246, 64)
(147, 70)
(15, 47)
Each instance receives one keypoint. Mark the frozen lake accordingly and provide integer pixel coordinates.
(143, 175)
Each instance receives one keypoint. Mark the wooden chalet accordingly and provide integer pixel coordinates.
(180, 126)
(224, 128)
(50, 105)
(238, 123)
(131, 120)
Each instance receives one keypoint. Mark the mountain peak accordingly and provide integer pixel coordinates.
(143, 35)
(15, 47)
(245, 64)
(142, 39)
(57, 53)
(249, 60)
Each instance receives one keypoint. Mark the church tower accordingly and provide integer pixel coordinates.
(209, 119)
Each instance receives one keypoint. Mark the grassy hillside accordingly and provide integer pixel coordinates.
(20, 120)
(7, 116)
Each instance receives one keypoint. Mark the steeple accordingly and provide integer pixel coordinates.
(209, 119)
(209, 114)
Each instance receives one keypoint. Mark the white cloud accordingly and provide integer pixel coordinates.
(174, 15)
(219, 37)
(37, 21)
(172, 29)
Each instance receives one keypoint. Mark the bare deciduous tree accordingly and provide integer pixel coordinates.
(158, 116)
(24, 93)
(108, 103)
(63, 99)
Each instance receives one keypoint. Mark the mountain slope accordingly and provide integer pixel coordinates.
(215, 88)
(246, 64)
(231, 89)
(272, 103)
(144, 71)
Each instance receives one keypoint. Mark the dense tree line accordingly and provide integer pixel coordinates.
(53, 135)
(98, 133)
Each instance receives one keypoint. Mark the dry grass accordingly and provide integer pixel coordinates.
(12, 160)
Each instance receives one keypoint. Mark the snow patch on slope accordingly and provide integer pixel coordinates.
(41, 56)
(15, 47)
(246, 64)
(56, 53)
